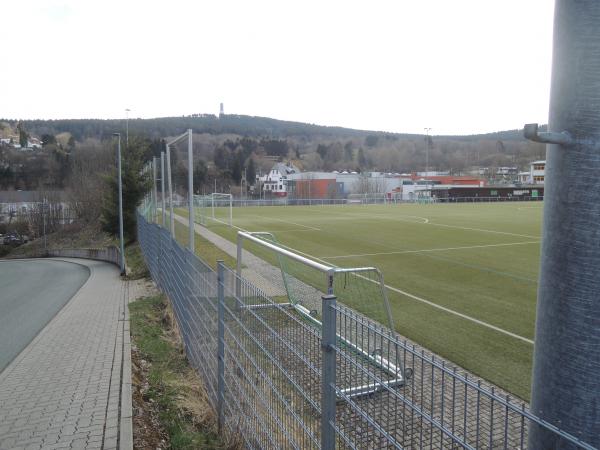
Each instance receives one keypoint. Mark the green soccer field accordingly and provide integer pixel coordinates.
(462, 278)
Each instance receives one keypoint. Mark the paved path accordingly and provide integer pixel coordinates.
(32, 292)
(65, 390)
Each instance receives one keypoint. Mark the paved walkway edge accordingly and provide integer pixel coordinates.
(126, 425)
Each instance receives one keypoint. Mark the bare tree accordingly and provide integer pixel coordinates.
(87, 187)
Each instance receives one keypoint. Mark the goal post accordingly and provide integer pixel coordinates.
(305, 281)
(217, 207)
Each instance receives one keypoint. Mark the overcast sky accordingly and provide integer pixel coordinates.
(460, 66)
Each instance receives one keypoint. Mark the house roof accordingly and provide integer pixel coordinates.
(285, 169)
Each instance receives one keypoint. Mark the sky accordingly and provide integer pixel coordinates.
(457, 67)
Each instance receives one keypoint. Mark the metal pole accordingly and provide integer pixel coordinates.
(427, 151)
(44, 220)
(566, 370)
(121, 238)
(172, 219)
(162, 187)
(155, 190)
(230, 209)
(220, 343)
(238, 268)
(328, 397)
(191, 192)
(127, 127)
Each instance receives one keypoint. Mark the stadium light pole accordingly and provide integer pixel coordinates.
(121, 240)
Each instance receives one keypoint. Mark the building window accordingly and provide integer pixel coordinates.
(538, 167)
(538, 179)
(493, 192)
(280, 187)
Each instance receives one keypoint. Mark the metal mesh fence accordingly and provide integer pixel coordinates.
(282, 381)
(292, 201)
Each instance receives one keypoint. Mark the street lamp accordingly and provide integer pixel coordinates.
(122, 245)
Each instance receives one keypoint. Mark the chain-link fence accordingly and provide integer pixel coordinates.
(282, 381)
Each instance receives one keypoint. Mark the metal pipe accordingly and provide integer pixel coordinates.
(368, 389)
(191, 192)
(294, 256)
(178, 138)
(162, 187)
(155, 190)
(566, 370)
(121, 237)
(172, 218)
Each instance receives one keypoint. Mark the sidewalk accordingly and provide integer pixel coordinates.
(71, 386)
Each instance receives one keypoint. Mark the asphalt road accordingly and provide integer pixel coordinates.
(32, 292)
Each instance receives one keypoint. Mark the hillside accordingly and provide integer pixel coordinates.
(226, 147)
(227, 124)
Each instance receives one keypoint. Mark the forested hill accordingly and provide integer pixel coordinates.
(250, 126)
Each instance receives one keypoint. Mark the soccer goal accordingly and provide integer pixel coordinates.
(304, 281)
(216, 206)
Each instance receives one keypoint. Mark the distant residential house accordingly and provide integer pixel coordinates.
(275, 181)
(34, 143)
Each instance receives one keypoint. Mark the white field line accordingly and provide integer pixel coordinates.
(456, 313)
(420, 299)
(400, 252)
(291, 223)
(484, 230)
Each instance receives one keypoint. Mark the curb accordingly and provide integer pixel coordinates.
(126, 422)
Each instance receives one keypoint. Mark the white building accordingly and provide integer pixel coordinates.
(275, 181)
(537, 172)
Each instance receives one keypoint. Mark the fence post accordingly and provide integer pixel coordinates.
(238, 270)
(328, 373)
(221, 343)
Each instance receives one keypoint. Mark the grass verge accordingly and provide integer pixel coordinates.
(205, 249)
(135, 262)
(166, 385)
